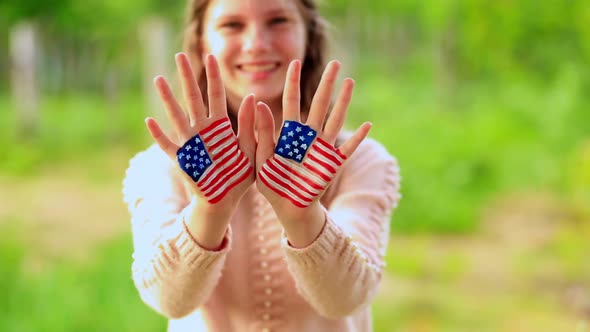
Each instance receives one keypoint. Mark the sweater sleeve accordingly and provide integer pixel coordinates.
(172, 273)
(340, 271)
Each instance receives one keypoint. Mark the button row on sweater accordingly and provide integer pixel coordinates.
(264, 264)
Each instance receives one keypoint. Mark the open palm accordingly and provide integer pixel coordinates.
(213, 160)
(295, 171)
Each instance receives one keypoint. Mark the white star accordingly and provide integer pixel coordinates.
(290, 154)
(197, 140)
(207, 161)
(280, 149)
(188, 157)
(284, 138)
(290, 133)
(304, 146)
(302, 138)
(195, 149)
(202, 153)
(180, 155)
(296, 150)
(195, 173)
(201, 166)
(310, 134)
(187, 165)
(298, 129)
(194, 165)
(298, 157)
(295, 143)
(288, 146)
(286, 124)
(201, 160)
(188, 147)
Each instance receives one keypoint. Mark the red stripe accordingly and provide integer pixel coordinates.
(220, 142)
(327, 155)
(323, 163)
(240, 180)
(215, 166)
(226, 149)
(317, 172)
(219, 132)
(286, 186)
(296, 183)
(280, 193)
(213, 125)
(228, 173)
(301, 177)
(223, 170)
(331, 148)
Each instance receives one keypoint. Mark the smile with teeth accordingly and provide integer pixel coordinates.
(259, 68)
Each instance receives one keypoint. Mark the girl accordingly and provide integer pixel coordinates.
(282, 226)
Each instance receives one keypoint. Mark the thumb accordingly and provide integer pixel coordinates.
(246, 139)
(265, 126)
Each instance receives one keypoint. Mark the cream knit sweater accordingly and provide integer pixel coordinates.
(257, 281)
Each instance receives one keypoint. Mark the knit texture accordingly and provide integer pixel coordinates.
(257, 281)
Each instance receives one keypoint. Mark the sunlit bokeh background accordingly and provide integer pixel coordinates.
(486, 105)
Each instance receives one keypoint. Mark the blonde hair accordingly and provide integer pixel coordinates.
(315, 49)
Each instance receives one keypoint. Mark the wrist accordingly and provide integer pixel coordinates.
(296, 215)
(217, 212)
(207, 223)
(304, 226)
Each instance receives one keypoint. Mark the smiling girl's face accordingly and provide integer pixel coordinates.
(254, 41)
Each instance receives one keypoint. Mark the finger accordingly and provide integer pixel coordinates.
(355, 140)
(266, 128)
(292, 93)
(215, 89)
(163, 141)
(174, 112)
(321, 100)
(246, 117)
(190, 88)
(338, 115)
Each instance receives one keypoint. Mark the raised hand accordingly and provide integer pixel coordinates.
(295, 171)
(216, 163)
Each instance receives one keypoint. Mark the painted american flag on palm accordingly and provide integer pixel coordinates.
(213, 160)
(303, 164)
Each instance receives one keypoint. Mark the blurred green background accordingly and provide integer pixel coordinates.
(486, 105)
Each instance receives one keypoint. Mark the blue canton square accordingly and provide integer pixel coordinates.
(295, 140)
(193, 158)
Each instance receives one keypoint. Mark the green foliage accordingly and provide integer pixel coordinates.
(507, 112)
(458, 154)
(487, 38)
(70, 129)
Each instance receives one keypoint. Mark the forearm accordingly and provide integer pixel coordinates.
(176, 274)
(207, 223)
(333, 274)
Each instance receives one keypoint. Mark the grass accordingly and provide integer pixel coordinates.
(430, 287)
(72, 295)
